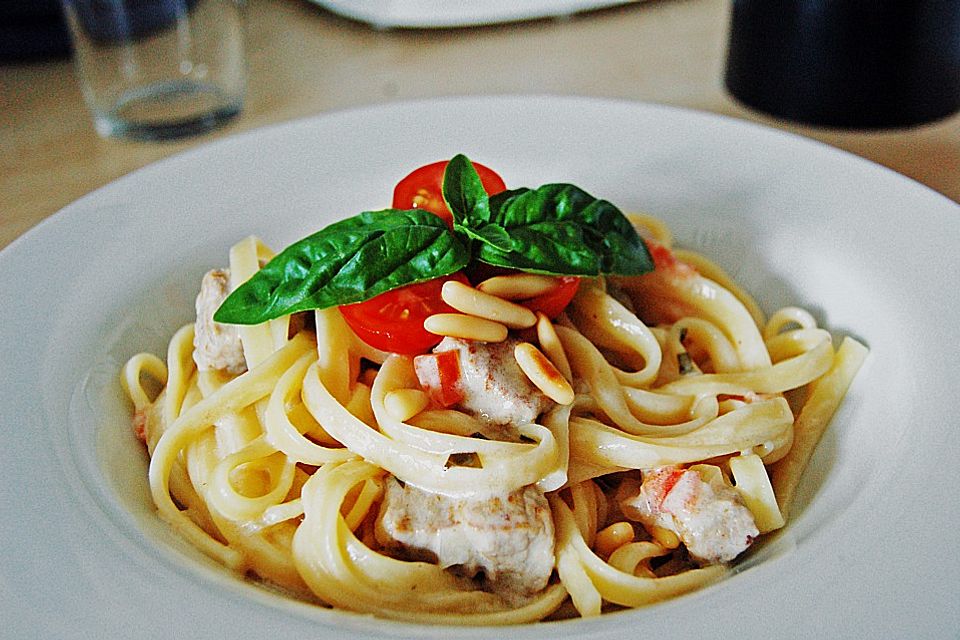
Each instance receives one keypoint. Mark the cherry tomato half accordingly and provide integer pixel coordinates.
(553, 302)
(393, 321)
(423, 188)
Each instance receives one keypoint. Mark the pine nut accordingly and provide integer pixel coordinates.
(552, 347)
(403, 404)
(466, 299)
(612, 538)
(543, 374)
(458, 325)
(519, 286)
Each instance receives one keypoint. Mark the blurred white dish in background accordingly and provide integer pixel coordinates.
(427, 14)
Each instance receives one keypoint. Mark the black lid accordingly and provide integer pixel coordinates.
(846, 63)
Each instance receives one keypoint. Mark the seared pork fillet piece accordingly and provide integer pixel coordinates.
(494, 388)
(710, 518)
(215, 345)
(508, 538)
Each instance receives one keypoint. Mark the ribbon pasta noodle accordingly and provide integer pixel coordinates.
(285, 470)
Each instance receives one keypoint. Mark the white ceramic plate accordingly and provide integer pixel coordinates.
(431, 14)
(872, 550)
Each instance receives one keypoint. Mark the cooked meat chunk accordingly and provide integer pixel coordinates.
(215, 345)
(509, 538)
(709, 518)
(493, 386)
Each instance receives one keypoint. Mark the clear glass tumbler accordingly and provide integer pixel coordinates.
(159, 69)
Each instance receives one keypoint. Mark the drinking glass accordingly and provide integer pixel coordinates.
(159, 69)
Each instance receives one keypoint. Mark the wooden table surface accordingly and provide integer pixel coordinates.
(304, 60)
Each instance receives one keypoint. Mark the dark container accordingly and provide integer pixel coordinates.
(32, 30)
(860, 64)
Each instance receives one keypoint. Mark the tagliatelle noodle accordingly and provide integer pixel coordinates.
(334, 363)
(280, 431)
(151, 367)
(266, 551)
(179, 371)
(257, 457)
(258, 340)
(264, 544)
(660, 408)
(666, 295)
(590, 580)
(346, 573)
(589, 364)
(630, 557)
(753, 485)
(232, 397)
(825, 397)
(448, 421)
(426, 468)
(753, 425)
(785, 317)
(605, 322)
(280, 471)
(248, 462)
(705, 335)
(140, 365)
(786, 374)
(709, 269)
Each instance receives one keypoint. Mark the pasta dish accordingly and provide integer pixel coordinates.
(483, 406)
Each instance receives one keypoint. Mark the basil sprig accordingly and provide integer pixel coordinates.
(556, 229)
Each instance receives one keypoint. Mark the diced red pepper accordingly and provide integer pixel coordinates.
(663, 258)
(140, 425)
(439, 375)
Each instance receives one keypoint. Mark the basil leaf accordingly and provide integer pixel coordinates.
(491, 234)
(561, 229)
(551, 248)
(555, 229)
(350, 261)
(464, 194)
(495, 236)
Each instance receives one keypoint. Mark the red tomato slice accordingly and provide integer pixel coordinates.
(393, 321)
(553, 302)
(423, 188)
